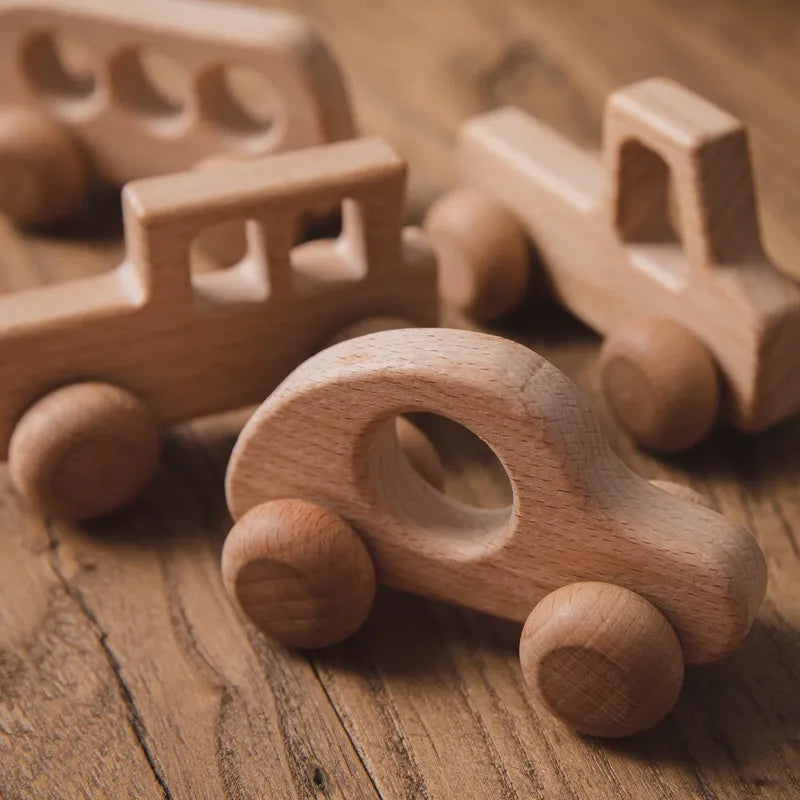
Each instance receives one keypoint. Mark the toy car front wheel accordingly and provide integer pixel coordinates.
(482, 252)
(661, 383)
(602, 659)
(84, 450)
(299, 572)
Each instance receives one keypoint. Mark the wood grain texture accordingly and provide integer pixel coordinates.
(429, 695)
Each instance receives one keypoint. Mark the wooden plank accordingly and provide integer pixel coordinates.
(224, 713)
(67, 727)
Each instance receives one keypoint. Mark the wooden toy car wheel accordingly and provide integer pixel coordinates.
(602, 659)
(661, 382)
(482, 252)
(84, 450)
(44, 176)
(299, 572)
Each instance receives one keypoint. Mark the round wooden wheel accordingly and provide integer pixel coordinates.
(602, 659)
(84, 450)
(418, 448)
(44, 176)
(300, 573)
(482, 252)
(661, 383)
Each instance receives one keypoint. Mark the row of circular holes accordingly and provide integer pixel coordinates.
(151, 83)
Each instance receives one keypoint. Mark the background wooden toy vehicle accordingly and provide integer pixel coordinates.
(60, 120)
(91, 367)
(626, 582)
(680, 311)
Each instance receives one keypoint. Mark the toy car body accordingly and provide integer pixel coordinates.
(578, 514)
(191, 345)
(605, 237)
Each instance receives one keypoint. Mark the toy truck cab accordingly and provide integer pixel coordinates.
(326, 503)
(179, 346)
(675, 278)
(59, 119)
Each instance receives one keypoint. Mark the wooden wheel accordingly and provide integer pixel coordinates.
(482, 252)
(300, 573)
(418, 448)
(602, 659)
(84, 450)
(43, 174)
(661, 383)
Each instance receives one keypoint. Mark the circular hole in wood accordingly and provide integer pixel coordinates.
(240, 100)
(150, 83)
(463, 514)
(474, 474)
(59, 66)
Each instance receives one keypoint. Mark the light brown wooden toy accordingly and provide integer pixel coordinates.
(619, 581)
(91, 367)
(697, 319)
(79, 95)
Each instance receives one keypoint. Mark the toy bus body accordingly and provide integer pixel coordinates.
(609, 257)
(188, 346)
(127, 131)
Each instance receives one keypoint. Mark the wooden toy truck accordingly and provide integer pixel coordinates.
(92, 368)
(60, 120)
(618, 583)
(694, 320)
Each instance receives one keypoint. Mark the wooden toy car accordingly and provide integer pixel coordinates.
(696, 320)
(92, 367)
(618, 582)
(96, 109)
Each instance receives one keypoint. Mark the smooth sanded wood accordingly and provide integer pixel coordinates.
(614, 250)
(578, 514)
(431, 694)
(187, 345)
(102, 94)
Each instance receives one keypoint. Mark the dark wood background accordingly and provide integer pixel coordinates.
(124, 672)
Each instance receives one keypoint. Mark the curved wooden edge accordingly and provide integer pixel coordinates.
(312, 94)
(578, 513)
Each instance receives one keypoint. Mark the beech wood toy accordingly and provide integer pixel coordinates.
(92, 368)
(697, 322)
(61, 121)
(618, 582)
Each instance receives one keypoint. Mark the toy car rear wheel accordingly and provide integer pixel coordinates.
(84, 450)
(661, 383)
(300, 573)
(44, 175)
(482, 252)
(602, 659)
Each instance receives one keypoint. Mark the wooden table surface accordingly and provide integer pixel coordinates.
(124, 672)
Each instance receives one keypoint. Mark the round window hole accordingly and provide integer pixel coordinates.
(151, 83)
(473, 474)
(241, 100)
(59, 66)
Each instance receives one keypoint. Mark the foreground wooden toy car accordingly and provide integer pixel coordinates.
(92, 368)
(60, 121)
(618, 583)
(697, 322)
